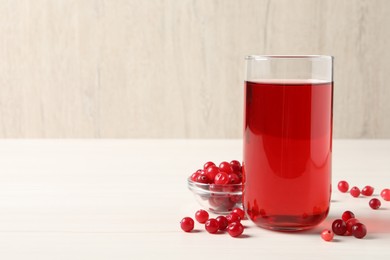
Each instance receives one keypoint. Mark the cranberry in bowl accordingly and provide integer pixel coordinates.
(217, 198)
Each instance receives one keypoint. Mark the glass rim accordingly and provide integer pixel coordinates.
(288, 57)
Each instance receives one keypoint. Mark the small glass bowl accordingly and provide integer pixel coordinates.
(218, 199)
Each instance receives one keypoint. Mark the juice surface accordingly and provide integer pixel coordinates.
(287, 153)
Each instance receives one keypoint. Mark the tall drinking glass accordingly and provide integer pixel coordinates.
(288, 140)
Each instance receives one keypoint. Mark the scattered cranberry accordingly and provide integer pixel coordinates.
(343, 186)
(355, 192)
(223, 222)
(235, 229)
(212, 171)
(375, 203)
(221, 178)
(347, 215)
(236, 166)
(201, 216)
(367, 190)
(212, 225)
(239, 212)
(207, 165)
(327, 235)
(385, 194)
(233, 217)
(359, 230)
(225, 167)
(339, 227)
(187, 224)
(350, 223)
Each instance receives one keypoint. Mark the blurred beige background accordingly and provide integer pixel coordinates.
(175, 68)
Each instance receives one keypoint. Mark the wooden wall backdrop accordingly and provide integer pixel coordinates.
(175, 69)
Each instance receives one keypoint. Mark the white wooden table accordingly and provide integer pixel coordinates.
(123, 199)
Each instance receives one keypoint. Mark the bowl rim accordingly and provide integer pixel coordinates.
(203, 188)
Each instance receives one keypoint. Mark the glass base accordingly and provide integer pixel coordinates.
(289, 223)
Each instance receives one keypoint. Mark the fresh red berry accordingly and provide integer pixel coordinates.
(223, 222)
(212, 225)
(235, 198)
(207, 165)
(221, 203)
(201, 216)
(233, 178)
(367, 190)
(187, 224)
(240, 176)
(235, 229)
(347, 215)
(202, 178)
(343, 186)
(221, 178)
(233, 217)
(385, 194)
(375, 203)
(194, 176)
(212, 171)
(239, 212)
(225, 167)
(327, 235)
(236, 166)
(359, 230)
(339, 227)
(355, 192)
(350, 223)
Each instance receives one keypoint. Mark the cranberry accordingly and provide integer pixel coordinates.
(241, 177)
(355, 192)
(350, 223)
(235, 198)
(233, 217)
(347, 215)
(367, 190)
(216, 201)
(359, 230)
(339, 227)
(221, 178)
(202, 178)
(343, 186)
(225, 167)
(215, 188)
(223, 222)
(207, 165)
(221, 203)
(201, 216)
(385, 194)
(194, 176)
(233, 178)
(375, 203)
(212, 225)
(236, 166)
(239, 212)
(327, 235)
(187, 224)
(212, 171)
(235, 229)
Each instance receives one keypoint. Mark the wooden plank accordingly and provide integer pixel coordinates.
(163, 69)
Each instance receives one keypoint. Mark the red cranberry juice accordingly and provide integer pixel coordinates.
(287, 153)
